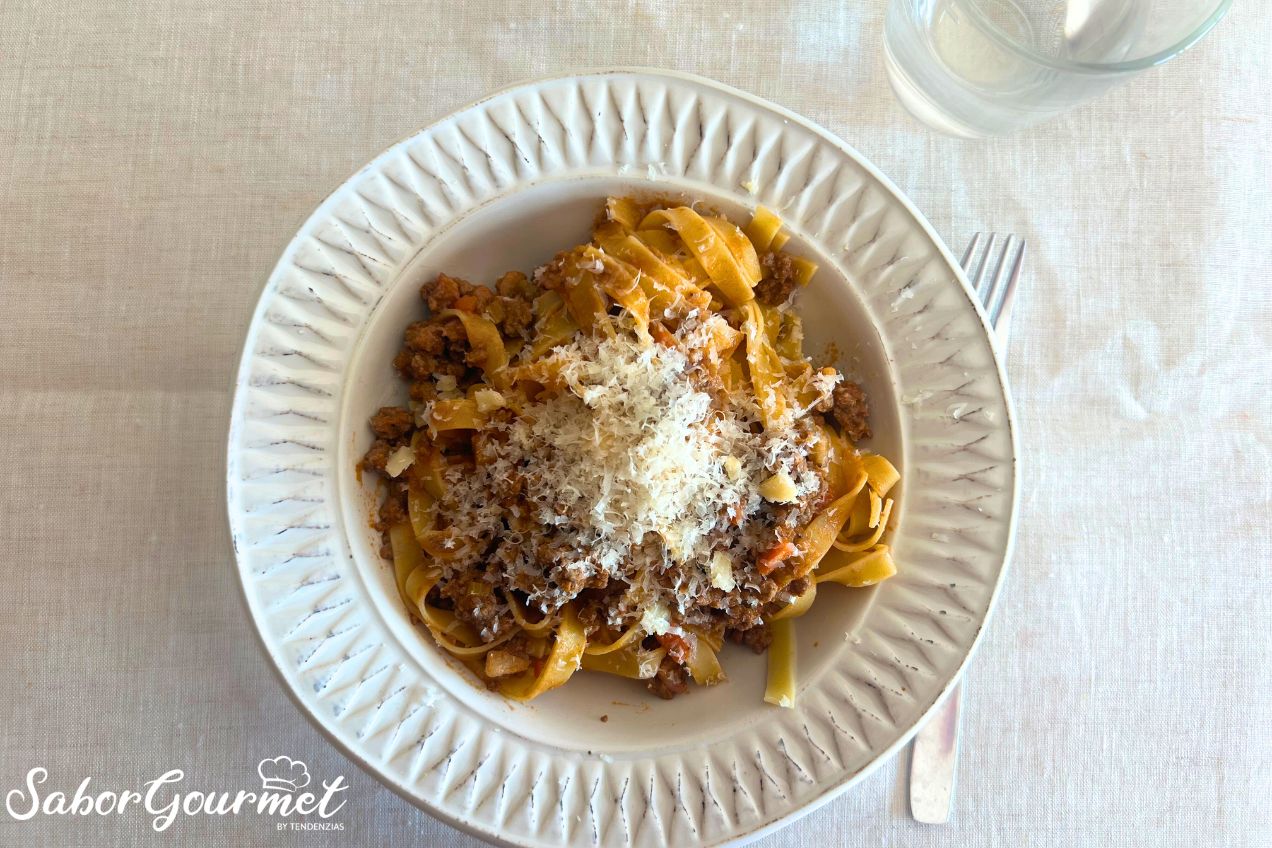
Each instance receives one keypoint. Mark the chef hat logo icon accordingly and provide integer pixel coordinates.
(283, 774)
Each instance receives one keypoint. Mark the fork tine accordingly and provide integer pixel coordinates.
(995, 278)
(977, 278)
(1001, 314)
(966, 262)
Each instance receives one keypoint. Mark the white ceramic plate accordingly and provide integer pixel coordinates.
(502, 185)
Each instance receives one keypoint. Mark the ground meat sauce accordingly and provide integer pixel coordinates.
(671, 680)
(391, 513)
(851, 411)
(392, 422)
(757, 637)
(436, 348)
(779, 281)
(377, 456)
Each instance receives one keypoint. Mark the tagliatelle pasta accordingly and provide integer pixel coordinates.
(616, 463)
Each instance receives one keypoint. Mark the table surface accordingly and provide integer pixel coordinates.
(156, 155)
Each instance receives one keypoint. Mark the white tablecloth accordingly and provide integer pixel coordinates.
(155, 156)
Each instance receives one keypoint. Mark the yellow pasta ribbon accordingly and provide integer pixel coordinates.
(484, 336)
(562, 661)
(712, 245)
(714, 638)
(471, 650)
(858, 569)
(847, 472)
(804, 270)
(455, 414)
(703, 664)
(633, 663)
(626, 638)
(663, 241)
(557, 328)
(739, 247)
(872, 536)
(663, 284)
(798, 605)
(780, 690)
(419, 580)
(883, 474)
(622, 283)
(790, 340)
(426, 471)
(583, 296)
(763, 228)
(421, 509)
(623, 212)
(819, 536)
(519, 616)
(766, 372)
(407, 557)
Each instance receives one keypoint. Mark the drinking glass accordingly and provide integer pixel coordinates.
(977, 68)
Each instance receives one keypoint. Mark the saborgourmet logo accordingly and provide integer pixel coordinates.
(283, 780)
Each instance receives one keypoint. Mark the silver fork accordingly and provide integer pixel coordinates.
(935, 757)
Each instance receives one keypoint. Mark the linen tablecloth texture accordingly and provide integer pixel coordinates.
(155, 157)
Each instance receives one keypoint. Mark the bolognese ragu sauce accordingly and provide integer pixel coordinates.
(633, 479)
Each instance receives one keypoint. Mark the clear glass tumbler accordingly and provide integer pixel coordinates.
(986, 67)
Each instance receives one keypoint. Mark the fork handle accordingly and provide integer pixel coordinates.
(934, 762)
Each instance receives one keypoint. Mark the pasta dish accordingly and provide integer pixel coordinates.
(624, 459)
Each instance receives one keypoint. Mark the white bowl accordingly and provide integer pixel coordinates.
(503, 185)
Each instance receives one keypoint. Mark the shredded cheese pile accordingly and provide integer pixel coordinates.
(630, 450)
(634, 465)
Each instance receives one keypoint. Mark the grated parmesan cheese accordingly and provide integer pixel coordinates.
(722, 572)
(656, 619)
(400, 460)
(639, 474)
(628, 450)
(779, 488)
(488, 400)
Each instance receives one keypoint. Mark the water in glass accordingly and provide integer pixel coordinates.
(986, 67)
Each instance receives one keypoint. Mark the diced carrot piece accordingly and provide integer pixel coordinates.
(678, 648)
(773, 557)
